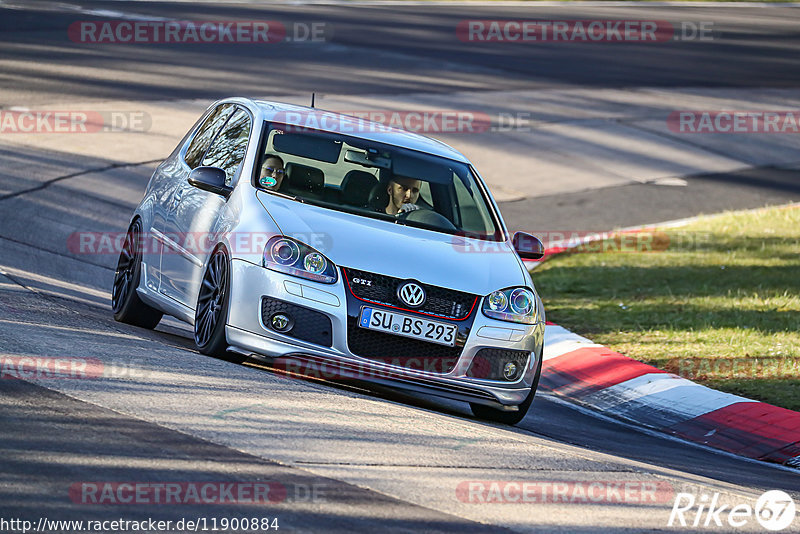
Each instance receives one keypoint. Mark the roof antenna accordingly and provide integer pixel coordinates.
(312, 100)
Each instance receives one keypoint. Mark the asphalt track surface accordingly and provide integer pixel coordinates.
(385, 49)
(165, 425)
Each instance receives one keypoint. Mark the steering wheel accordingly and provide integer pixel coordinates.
(427, 216)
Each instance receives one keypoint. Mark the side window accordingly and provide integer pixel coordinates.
(228, 149)
(205, 134)
(472, 219)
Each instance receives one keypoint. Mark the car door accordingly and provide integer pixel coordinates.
(196, 216)
(174, 173)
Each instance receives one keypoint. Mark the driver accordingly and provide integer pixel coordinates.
(403, 195)
(272, 173)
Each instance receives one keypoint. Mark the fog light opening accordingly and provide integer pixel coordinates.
(281, 322)
(510, 371)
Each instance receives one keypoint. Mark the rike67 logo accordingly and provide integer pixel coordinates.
(774, 511)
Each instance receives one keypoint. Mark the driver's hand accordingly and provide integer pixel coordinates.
(407, 208)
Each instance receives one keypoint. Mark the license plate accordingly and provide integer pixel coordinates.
(406, 325)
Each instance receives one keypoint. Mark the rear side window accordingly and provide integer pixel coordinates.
(228, 149)
(205, 134)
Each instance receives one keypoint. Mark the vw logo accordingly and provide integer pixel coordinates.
(411, 294)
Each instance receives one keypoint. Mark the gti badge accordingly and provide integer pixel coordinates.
(411, 294)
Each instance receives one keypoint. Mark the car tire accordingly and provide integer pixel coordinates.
(125, 301)
(488, 413)
(211, 312)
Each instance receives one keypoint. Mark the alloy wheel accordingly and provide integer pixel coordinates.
(126, 268)
(211, 300)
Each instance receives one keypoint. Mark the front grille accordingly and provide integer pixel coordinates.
(399, 350)
(488, 363)
(440, 301)
(309, 325)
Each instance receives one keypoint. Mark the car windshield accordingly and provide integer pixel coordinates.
(377, 180)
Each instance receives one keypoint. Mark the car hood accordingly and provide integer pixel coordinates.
(469, 265)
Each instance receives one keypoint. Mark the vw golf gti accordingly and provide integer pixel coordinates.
(290, 233)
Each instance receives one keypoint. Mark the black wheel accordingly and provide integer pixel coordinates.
(508, 418)
(211, 312)
(125, 302)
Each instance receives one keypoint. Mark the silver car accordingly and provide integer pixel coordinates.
(340, 248)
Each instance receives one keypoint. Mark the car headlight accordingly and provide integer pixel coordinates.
(516, 304)
(292, 257)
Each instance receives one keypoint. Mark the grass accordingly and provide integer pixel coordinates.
(717, 301)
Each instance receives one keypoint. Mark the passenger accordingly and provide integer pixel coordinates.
(403, 195)
(272, 173)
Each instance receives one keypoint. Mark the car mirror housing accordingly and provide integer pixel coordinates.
(528, 247)
(211, 179)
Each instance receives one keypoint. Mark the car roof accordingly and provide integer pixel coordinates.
(304, 116)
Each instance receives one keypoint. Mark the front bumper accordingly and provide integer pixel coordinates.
(247, 334)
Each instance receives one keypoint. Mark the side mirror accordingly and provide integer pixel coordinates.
(210, 179)
(527, 246)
